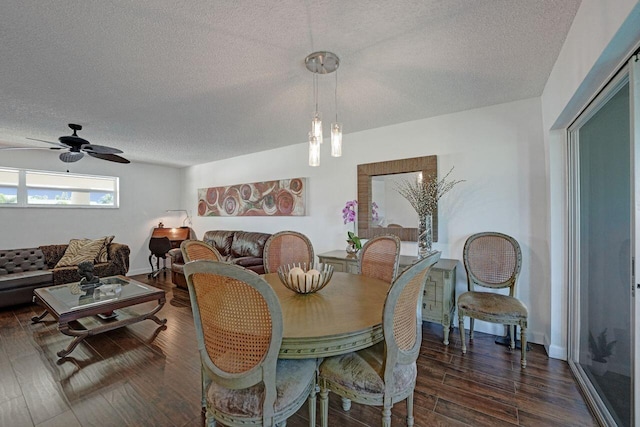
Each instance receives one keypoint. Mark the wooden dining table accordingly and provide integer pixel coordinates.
(344, 316)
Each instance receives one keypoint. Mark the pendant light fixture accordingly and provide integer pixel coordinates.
(336, 129)
(323, 63)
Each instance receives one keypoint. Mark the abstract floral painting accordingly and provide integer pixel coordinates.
(285, 197)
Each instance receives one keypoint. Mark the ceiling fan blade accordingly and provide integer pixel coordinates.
(71, 156)
(99, 149)
(50, 142)
(30, 148)
(109, 156)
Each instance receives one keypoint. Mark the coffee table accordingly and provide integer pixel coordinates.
(69, 307)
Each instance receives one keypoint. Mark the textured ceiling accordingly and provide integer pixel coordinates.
(187, 82)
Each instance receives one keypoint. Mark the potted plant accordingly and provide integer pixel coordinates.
(600, 350)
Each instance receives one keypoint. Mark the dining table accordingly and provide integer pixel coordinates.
(344, 316)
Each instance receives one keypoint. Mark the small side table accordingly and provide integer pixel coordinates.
(439, 297)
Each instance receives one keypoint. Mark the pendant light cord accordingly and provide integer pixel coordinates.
(336, 96)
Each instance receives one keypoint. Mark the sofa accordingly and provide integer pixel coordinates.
(244, 248)
(23, 270)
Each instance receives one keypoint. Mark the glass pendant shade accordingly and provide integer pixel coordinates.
(314, 150)
(336, 139)
(316, 126)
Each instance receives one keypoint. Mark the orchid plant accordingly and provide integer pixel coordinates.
(349, 215)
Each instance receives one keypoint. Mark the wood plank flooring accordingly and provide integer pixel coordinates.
(143, 376)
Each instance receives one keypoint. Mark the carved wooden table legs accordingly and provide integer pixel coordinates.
(80, 334)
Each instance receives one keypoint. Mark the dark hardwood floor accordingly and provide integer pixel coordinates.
(142, 376)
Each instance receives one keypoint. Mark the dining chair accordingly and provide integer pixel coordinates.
(493, 260)
(287, 247)
(385, 373)
(238, 323)
(379, 258)
(193, 250)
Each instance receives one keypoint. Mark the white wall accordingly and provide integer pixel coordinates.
(146, 192)
(498, 150)
(602, 35)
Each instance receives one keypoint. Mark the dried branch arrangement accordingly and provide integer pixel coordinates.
(423, 194)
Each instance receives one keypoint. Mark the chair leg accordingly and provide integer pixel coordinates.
(512, 344)
(312, 406)
(386, 416)
(410, 410)
(324, 407)
(210, 421)
(462, 339)
(523, 346)
(471, 322)
(346, 404)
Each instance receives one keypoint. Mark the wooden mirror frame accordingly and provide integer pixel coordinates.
(428, 165)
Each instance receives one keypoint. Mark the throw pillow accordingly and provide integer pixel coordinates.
(103, 255)
(80, 250)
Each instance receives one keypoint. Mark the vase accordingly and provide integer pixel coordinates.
(425, 235)
(352, 249)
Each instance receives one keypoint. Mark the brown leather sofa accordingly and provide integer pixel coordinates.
(244, 248)
(23, 270)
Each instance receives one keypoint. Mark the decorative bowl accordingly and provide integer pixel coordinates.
(303, 278)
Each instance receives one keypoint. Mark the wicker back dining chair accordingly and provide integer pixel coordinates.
(385, 373)
(493, 260)
(379, 258)
(238, 323)
(193, 250)
(286, 247)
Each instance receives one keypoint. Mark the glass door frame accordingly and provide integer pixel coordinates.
(573, 253)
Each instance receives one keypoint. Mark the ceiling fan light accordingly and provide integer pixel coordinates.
(71, 156)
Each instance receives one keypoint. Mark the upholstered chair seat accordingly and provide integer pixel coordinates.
(294, 379)
(490, 304)
(363, 372)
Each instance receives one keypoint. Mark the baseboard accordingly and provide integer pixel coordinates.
(555, 351)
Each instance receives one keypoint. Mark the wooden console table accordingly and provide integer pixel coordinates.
(439, 297)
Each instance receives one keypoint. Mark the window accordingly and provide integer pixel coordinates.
(54, 189)
(9, 179)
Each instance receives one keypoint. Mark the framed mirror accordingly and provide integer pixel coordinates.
(379, 179)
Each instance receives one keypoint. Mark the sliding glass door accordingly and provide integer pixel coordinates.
(602, 227)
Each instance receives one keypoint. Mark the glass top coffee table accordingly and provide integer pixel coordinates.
(68, 304)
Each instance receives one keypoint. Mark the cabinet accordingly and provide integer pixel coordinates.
(439, 297)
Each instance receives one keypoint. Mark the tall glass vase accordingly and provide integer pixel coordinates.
(425, 235)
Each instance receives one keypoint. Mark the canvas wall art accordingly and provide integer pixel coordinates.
(285, 197)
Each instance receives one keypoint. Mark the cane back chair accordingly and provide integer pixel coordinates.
(385, 373)
(193, 250)
(493, 260)
(238, 323)
(379, 258)
(286, 247)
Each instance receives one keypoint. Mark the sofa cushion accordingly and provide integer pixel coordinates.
(26, 278)
(80, 250)
(219, 239)
(248, 244)
(19, 260)
(248, 261)
(103, 255)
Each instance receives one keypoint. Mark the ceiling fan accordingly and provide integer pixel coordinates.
(77, 147)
